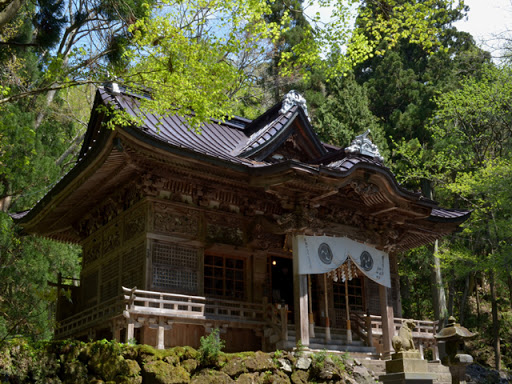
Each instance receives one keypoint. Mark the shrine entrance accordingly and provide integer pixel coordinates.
(281, 272)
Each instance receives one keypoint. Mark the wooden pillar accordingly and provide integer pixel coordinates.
(310, 307)
(300, 298)
(347, 308)
(388, 323)
(326, 308)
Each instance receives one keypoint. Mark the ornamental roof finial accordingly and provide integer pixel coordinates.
(362, 145)
(293, 98)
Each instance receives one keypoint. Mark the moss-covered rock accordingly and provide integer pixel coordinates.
(190, 365)
(210, 376)
(186, 353)
(160, 372)
(300, 377)
(234, 367)
(259, 362)
(74, 372)
(105, 360)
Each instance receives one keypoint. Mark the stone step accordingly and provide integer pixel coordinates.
(335, 340)
(378, 367)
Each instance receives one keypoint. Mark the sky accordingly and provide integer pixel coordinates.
(486, 19)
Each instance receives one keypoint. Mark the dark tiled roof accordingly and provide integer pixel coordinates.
(267, 132)
(348, 162)
(444, 214)
(19, 215)
(215, 139)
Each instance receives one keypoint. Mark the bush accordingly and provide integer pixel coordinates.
(210, 348)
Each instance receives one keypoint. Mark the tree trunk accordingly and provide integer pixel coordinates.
(438, 292)
(495, 321)
(8, 13)
(462, 306)
(477, 302)
(451, 296)
(509, 283)
(42, 113)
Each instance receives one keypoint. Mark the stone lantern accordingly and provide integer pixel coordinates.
(454, 336)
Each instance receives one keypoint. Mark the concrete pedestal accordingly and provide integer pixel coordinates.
(407, 368)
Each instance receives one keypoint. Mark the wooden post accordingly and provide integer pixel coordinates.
(130, 331)
(435, 348)
(283, 311)
(300, 298)
(369, 330)
(58, 314)
(388, 322)
(347, 307)
(311, 318)
(161, 335)
(326, 308)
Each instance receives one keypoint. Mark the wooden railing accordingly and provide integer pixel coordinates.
(185, 306)
(163, 304)
(89, 317)
(150, 303)
(231, 309)
(425, 329)
(370, 326)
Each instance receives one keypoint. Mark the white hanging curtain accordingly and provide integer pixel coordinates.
(323, 254)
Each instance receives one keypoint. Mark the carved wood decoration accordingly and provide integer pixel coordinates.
(291, 150)
(92, 250)
(111, 238)
(264, 240)
(168, 219)
(225, 229)
(134, 223)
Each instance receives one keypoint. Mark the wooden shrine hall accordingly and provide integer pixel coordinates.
(253, 227)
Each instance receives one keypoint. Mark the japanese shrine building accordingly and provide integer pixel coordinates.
(205, 231)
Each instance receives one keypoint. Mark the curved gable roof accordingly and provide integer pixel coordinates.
(238, 144)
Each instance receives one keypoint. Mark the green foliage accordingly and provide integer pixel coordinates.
(211, 347)
(299, 349)
(345, 113)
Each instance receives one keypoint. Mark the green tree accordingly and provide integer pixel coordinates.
(401, 83)
(345, 114)
(470, 165)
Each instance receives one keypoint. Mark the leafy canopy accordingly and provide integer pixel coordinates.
(188, 54)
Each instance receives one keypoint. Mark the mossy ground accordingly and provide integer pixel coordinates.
(103, 362)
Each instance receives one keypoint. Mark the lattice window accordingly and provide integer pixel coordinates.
(355, 294)
(224, 277)
(90, 289)
(175, 268)
(110, 279)
(133, 267)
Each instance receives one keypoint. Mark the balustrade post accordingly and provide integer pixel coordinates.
(130, 331)
(435, 348)
(161, 335)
